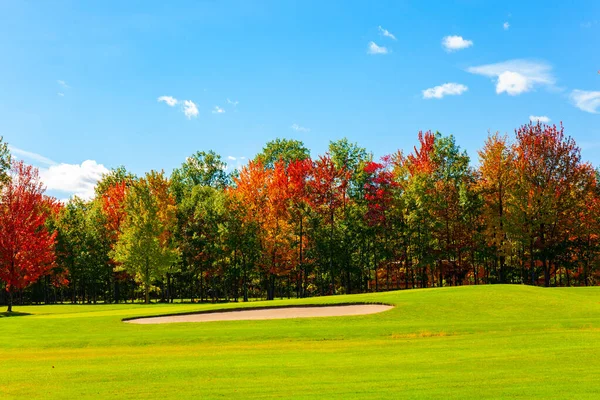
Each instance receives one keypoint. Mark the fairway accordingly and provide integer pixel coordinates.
(461, 342)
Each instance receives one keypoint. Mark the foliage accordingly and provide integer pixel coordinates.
(144, 247)
(286, 150)
(26, 246)
(287, 225)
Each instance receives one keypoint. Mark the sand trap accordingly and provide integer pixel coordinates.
(268, 313)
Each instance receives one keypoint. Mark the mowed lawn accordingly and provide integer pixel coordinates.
(465, 342)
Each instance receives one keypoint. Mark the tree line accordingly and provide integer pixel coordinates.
(288, 225)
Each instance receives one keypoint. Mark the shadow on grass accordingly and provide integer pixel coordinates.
(13, 314)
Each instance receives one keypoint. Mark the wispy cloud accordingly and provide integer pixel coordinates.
(586, 100)
(447, 89)
(541, 118)
(169, 100)
(233, 103)
(190, 109)
(454, 43)
(60, 94)
(218, 110)
(516, 76)
(588, 24)
(63, 84)
(231, 158)
(374, 49)
(299, 128)
(506, 26)
(386, 33)
(29, 156)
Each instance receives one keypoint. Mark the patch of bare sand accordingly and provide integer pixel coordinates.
(268, 313)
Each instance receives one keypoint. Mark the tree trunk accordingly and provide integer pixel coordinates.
(10, 299)
(116, 289)
(245, 286)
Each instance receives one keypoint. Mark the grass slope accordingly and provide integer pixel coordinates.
(465, 342)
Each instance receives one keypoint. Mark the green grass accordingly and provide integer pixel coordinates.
(449, 343)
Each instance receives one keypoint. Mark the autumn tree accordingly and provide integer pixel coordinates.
(496, 181)
(327, 189)
(144, 247)
(550, 188)
(380, 190)
(113, 177)
(251, 189)
(26, 246)
(299, 174)
(109, 214)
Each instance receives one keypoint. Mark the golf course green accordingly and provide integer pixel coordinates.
(475, 342)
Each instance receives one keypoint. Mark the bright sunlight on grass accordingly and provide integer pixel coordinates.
(460, 342)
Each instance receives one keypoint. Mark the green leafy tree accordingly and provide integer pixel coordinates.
(201, 168)
(4, 161)
(286, 150)
(145, 248)
(82, 250)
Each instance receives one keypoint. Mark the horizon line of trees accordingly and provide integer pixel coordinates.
(288, 225)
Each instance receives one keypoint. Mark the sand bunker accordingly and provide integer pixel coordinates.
(268, 313)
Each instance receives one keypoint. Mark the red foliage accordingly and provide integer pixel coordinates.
(26, 246)
(113, 207)
(379, 190)
(328, 187)
(421, 162)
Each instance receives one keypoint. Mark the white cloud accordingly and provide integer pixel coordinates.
(231, 158)
(74, 179)
(454, 43)
(542, 118)
(299, 128)
(233, 103)
(61, 94)
(63, 84)
(516, 76)
(386, 33)
(170, 101)
(29, 156)
(218, 110)
(506, 26)
(512, 83)
(242, 158)
(586, 101)
(190, 109)
(374, 49)
(447, 89)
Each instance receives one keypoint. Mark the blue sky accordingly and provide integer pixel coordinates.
(80, 81)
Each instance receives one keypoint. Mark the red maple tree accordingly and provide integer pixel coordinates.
(26, 246)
